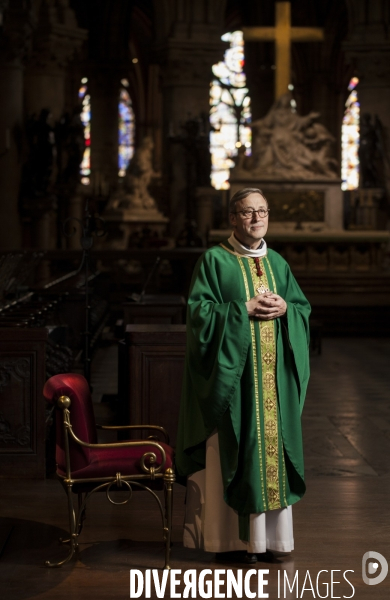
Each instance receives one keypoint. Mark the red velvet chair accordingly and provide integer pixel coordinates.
(85, 467)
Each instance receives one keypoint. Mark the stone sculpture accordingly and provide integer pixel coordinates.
(132, 210)
(286, 145)
(139, 174)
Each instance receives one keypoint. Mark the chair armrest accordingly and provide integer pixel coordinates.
(136, 444)
(119, 427)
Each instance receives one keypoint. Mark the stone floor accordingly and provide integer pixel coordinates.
(346, 420)
(344, 514)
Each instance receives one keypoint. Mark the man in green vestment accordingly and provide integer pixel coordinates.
(247, 369)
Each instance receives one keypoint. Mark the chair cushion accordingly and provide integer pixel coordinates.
(107, 462)
(82, 417)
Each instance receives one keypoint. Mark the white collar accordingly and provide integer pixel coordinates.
(258, 253)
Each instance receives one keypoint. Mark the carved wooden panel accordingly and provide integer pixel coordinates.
(22, 417)
(155, 355)
(15, 416)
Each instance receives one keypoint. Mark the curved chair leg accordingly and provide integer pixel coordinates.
(81, 517)
(72, 531)
(169, 478)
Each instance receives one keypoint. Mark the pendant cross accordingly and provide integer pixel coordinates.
(262, 289)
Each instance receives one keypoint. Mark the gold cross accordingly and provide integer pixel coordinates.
(283, 35)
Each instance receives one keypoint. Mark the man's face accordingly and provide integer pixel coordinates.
(250, 230)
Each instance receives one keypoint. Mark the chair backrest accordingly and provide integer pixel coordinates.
(82, 418)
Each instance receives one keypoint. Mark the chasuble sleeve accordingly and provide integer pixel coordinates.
(218, 339)
(298, 311)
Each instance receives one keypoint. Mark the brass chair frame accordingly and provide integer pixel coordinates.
(151, 473)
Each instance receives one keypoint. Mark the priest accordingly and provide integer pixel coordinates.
(245, 380)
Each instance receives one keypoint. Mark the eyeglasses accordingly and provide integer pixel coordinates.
(249, 212)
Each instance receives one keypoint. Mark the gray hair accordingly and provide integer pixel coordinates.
(241, 194)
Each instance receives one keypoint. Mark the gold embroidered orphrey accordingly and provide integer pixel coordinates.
(270, 401)
(270, 483)
(256, 381)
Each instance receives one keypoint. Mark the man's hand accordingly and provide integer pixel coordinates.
(266, 306)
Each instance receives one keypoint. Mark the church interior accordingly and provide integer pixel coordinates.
(125, 128)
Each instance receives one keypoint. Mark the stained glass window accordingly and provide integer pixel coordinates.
(85, 99)
(230, 112)
(350, 138)
(126, 129)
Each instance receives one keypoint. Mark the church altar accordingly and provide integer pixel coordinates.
(315, 204)
(292, 163)
(324, 250)
(277, 233)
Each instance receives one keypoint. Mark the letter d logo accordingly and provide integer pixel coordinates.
(372, 568)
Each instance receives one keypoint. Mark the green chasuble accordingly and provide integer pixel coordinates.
(246, 378)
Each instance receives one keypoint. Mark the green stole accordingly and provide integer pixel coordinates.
(246, 378)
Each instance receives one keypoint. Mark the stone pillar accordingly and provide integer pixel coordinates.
(55, 41)
(76, 214)
(14, 44)
(368, 47)
(205, 210)
(188, 43)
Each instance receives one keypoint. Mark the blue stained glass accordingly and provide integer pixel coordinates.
(125, 131)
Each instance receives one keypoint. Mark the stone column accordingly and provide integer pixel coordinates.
(55, 41)
(205, 210)
(368, 46)
(188, 43)
(14, 45)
